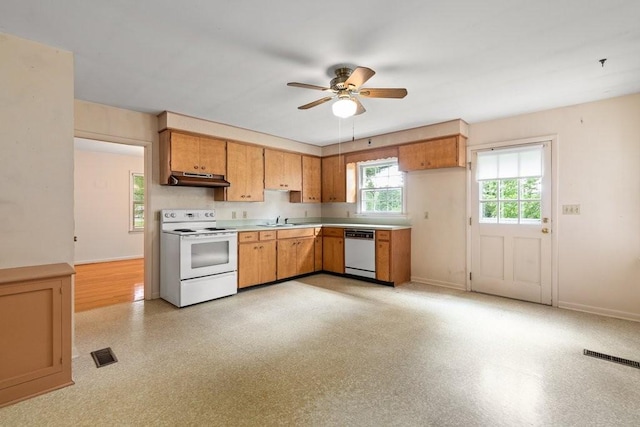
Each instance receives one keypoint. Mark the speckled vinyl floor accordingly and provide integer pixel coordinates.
(331, 351)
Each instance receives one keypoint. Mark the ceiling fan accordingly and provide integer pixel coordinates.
(346, 86)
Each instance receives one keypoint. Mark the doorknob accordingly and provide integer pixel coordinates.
(545, 231)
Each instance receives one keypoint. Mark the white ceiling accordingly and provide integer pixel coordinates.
(229, 61)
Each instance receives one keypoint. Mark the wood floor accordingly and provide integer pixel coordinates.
(106, 283)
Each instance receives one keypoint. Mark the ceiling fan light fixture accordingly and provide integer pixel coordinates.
(344, 107)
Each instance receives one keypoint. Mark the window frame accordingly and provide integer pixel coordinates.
(514, 172)
(393, 161)
(134, 203)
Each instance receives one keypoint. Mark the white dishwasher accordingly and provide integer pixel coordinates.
(360, 252)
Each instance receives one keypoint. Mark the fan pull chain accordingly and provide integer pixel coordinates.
(340, 142)
(353, 129)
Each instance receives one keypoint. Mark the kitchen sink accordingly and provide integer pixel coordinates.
(276, 225)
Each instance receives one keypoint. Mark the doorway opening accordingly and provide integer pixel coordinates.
(109, 223)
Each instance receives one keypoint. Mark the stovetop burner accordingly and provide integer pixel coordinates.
(185, 230)
(215, 229)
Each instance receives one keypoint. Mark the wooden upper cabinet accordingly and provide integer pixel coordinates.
(213, 156)
(436, 153)
(311, 182)
(283, 171)
(245, 165)
(334, 181)
(197, 154)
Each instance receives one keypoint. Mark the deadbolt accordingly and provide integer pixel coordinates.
(545, 230)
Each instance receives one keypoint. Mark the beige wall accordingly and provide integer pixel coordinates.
(36, 164)
(598, 257)
(102, 206)
(598, 147)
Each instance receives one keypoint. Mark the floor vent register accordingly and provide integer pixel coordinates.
(626, 362)
(104, 357)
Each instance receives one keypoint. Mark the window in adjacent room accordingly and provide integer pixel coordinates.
(136, 213)
(380, 188)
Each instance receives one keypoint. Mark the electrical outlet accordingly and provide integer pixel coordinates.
(244, 214)
(426, 215)
(570, 209)
(348, 214)
(305, 214)
(233, 214)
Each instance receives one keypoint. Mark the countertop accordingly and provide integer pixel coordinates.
(315, 224)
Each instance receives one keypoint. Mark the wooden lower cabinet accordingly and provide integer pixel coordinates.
(267, 256)
(393, 256)
(35, 330)
(317, 261)
(333, 250)
(256, 258)
(383, 260)
(295, 252)
(295, 257)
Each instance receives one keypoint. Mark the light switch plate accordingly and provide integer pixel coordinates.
(570, 209)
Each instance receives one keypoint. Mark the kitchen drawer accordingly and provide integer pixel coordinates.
(248, 236)
(383, 235)
(296, 232)
(267, 235)
(333, 232)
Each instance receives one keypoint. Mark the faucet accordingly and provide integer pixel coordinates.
(277, 219)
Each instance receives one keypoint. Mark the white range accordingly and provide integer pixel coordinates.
(198, 261)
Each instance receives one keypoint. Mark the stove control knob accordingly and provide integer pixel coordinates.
(173, 215)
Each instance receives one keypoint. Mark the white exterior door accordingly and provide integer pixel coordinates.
(511, 247)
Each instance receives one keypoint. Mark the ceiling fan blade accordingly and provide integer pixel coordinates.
(359, 76)
(307, 86)
(383, 92)
(360, 108)
(314, 103)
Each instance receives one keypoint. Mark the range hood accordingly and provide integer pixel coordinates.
(187, 179)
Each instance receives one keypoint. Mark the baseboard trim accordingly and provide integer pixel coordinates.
(96, 261)
(599, 310)
(440, 283)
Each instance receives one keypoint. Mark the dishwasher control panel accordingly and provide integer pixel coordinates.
(351, 233)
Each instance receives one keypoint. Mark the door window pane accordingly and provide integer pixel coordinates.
(530, 211)
(489, 211)
(509, 212)
(489, 190)
(509, 189)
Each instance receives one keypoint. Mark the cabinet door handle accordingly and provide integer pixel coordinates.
(195, 167)
(203, 167)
